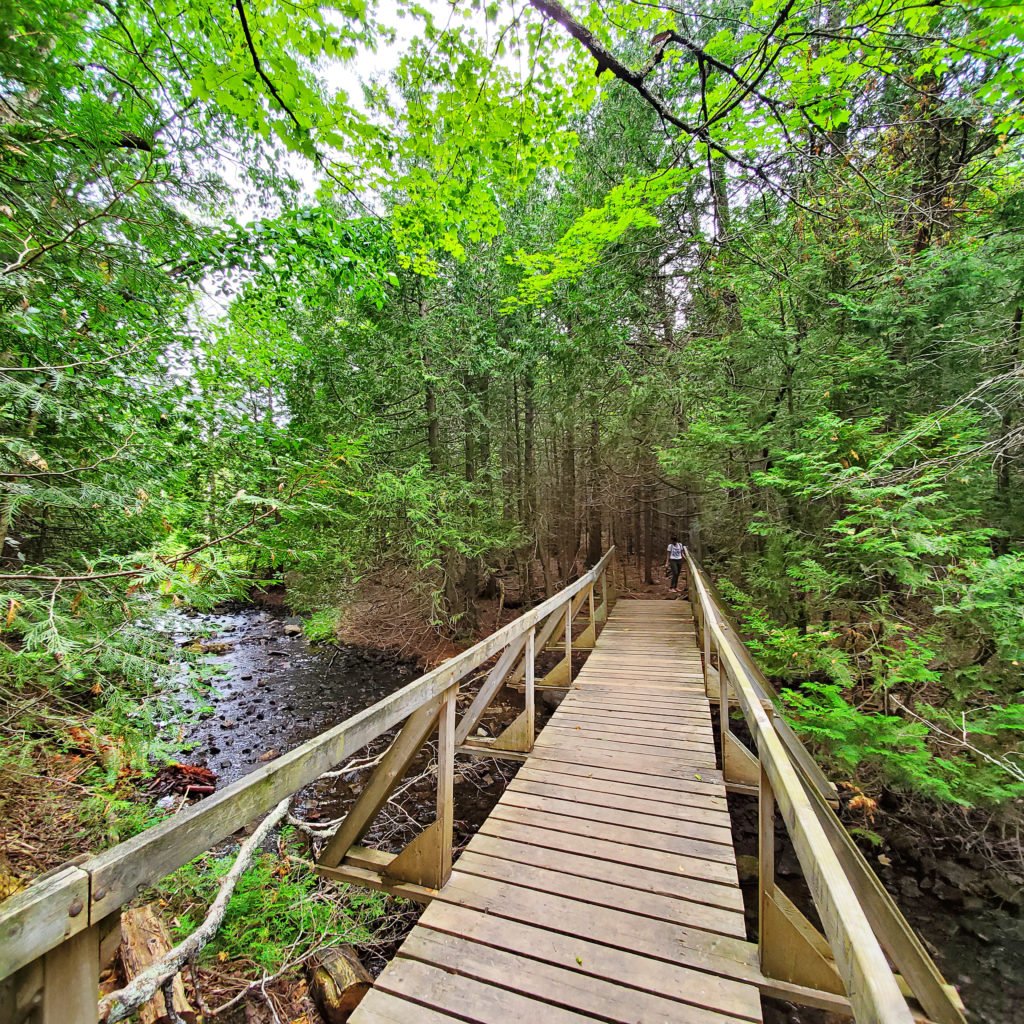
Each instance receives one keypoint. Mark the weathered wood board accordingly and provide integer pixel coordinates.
(603, 885)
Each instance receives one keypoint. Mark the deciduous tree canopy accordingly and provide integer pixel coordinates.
(554, 276)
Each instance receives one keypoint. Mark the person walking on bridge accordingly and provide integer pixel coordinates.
(674, 562)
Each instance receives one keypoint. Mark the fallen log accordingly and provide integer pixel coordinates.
(337, 983)
(144, 941)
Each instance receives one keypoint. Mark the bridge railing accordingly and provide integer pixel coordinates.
(869, 955)
(51, 933)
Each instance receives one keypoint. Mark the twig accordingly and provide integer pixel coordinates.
(124, 1002)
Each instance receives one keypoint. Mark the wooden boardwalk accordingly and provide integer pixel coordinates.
(603, 884)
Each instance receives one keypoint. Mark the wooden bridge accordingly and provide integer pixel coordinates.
(602, 887)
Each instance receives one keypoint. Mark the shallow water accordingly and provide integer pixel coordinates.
(274, 690)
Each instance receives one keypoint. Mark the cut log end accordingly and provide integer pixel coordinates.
(338, 982)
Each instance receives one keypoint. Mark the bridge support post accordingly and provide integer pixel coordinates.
(71, 979)
(601, 615)
(588, 638)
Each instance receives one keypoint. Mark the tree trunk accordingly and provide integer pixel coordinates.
(568, 532)
(648, 513)
(529, 487)
(433, 426)
(594, 495)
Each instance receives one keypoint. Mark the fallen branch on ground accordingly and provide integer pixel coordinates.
(125, 1001)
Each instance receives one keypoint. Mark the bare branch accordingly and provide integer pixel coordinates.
(125, 1001)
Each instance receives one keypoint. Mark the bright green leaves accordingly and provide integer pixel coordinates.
(630, 206)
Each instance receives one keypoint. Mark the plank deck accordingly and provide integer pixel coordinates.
(603, 886)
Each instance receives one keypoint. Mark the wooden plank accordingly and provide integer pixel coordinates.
(606, 894)
(710, 853)
(565, 730)
(663, 744)
(583, 702)
(641, 768)
(558, 739)
(596, 958)
(600, 715)
(557, 985)
(380, 1007)
(666, 883)
(633, 818)
(611, 782)
(466, 998)
(606, 711)
(694, 732)
(654, 703)
(720, 955)
(42, 916)
(617, 852)
(581, 795)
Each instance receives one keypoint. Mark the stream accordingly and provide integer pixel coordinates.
(272, 689)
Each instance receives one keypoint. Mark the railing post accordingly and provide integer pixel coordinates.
(765, 857)
(568, 640)
(707, 650)
(71, 980)
(531, 648)
(723, 715)
(602, 611)
(446, 779)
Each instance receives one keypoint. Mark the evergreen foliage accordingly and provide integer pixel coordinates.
(758, 281)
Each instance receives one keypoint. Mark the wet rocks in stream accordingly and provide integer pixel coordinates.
(272, 690)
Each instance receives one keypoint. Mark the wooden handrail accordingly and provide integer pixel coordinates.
(859, 917)
(46, 915)
(809, 768)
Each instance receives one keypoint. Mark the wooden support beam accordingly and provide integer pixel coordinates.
(588, 638)
(529, 694)
(21, 994)
(422, 861)
(601, 612)
(740, 764)
(359, 870)
(71, 975)
(484, 748)
(489, 690)
(558, 678)
(383, 781)
(517, 736)
(427, 860)
(554, 638)
(792, 949)
(765, 856)
(551, 626)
